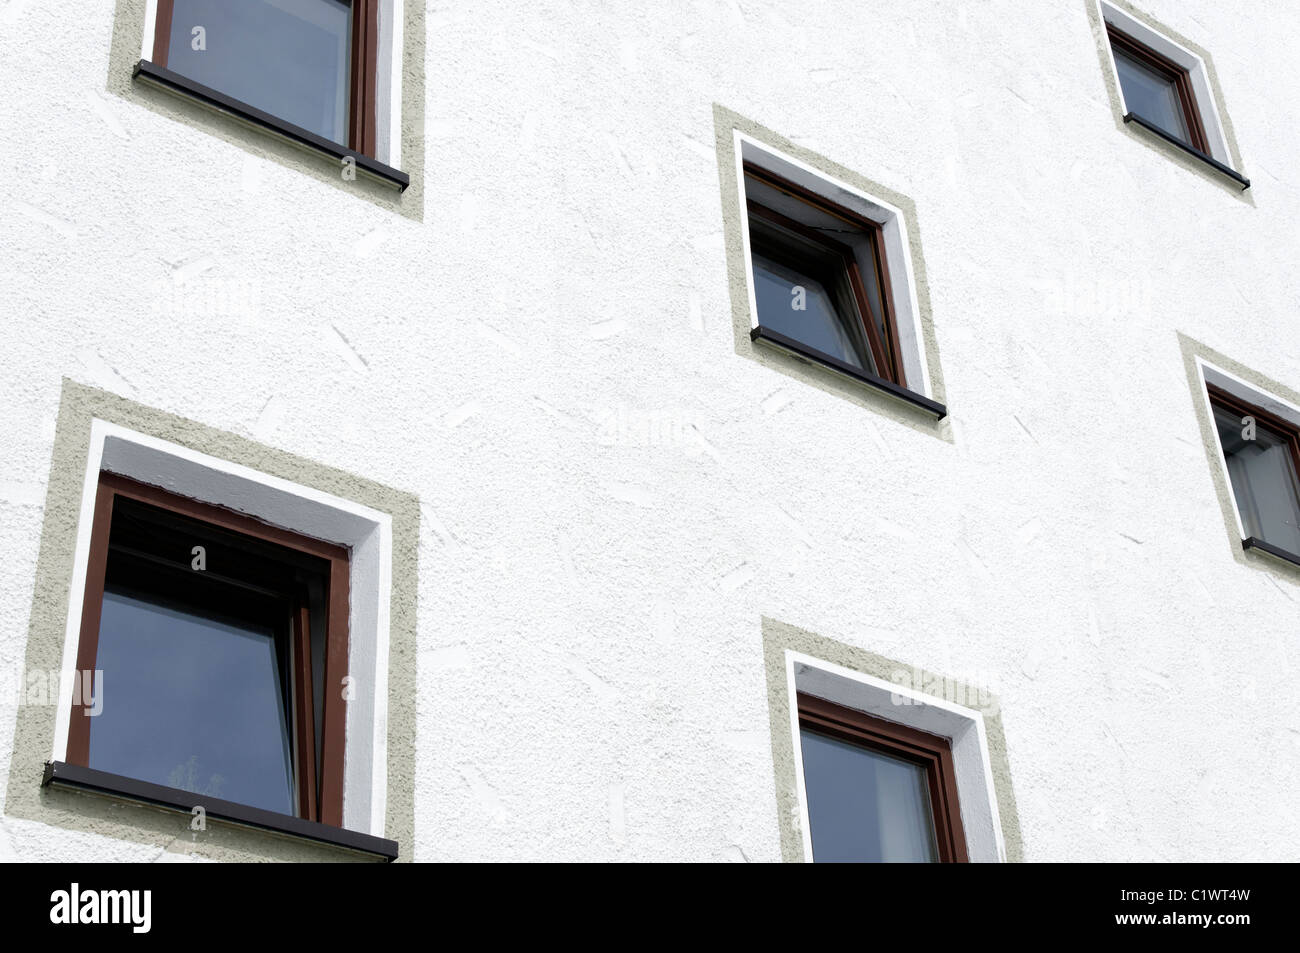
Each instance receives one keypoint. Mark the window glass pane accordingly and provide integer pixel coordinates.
(817, 325)
(289, 58)
(1264, 480)
(1151, 95)
(192, 700)
(864, 806)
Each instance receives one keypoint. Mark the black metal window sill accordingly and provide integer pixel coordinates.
(175, 82)
(1191, 150)
(761, 333)
(1254, 542)
(74, 777)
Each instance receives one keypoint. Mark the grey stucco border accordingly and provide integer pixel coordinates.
(808, 372)
(1191, 350)
(128, 28)
(779, 637)
(1150, 139)
(34, 729)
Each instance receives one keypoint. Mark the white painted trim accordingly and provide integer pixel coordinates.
(77, 588)
(898, 252)
(379, 689)
(1211, 373)
(976, 793)
(1206, 103)
(150, 21)
(365, 531)
(805, 826)
(392, 21)
(738, 140)
(1239, 387)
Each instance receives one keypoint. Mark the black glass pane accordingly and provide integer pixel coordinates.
(289, 58)
(1151, 95)
(192, 699)
(864, 806)
(1264, 480)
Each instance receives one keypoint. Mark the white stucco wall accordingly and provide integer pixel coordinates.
(591, 676)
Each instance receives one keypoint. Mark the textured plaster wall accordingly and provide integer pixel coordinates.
(611, 498)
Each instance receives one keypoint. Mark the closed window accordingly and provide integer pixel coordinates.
(1157, 90)
(217, 638)
(1262, 452)
(308, 63)
(876, 791)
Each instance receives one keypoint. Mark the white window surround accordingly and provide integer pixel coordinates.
(388, 99)
(964, 727)
(366, 532)
(1251, 394)
(898, 255)
(1206, 104)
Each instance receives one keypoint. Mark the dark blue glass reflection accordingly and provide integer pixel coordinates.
(1151, 95)
(800, 307)
(192, 702)
(863, 806)
(289, 58)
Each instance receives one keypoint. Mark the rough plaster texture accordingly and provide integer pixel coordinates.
(612, 498)
(155, 831)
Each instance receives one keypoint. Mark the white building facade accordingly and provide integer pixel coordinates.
(603, 534)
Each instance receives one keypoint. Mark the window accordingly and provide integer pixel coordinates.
(290, 605)
(310, 63)
(822, 265)
(1157, 90)
(819, 278)
(325, 74)
(876, 791)
(1262, 453)
(1165, 89)
(215, 636)
(876, 759)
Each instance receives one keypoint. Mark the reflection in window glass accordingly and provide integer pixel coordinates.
(1152, 95)
(289, 58)
(192, 701)
(809, 316)
(1264, 479)
(864, 806)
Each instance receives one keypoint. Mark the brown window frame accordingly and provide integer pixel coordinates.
(1177, 74)
(887, 352)
(329, 810)
(931, 752)
(363, 81)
